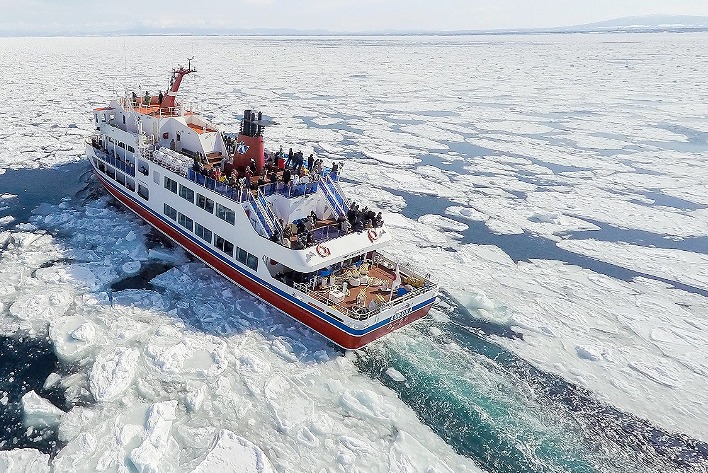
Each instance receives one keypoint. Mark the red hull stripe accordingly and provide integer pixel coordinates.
(331, 328)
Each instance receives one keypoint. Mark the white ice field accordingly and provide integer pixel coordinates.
(544, 134)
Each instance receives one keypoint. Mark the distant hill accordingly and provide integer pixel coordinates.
(648, 22)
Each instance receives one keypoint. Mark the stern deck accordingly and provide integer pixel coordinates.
(363, 291)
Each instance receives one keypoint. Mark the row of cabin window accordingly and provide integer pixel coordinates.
(122, 145)
(205, 203)
(122, 179)
(205, 234)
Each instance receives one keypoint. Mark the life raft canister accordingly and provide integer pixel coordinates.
(323, 251)
(373, 235)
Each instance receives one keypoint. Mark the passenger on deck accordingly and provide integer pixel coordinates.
(313, 216)
(146, 100)
(252, 166)
(286, 176)
(160, 97)
(273, 178)
(368, 224)
(351, 213)
(345, 226)
(289, 162)
(310, 162)
(359, 225)
(378, 221)
(335, 169)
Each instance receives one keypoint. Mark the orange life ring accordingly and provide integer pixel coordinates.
(323, 251)
(373, 235)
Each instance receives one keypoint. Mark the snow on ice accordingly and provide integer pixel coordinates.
(166, 397)
(194, 374)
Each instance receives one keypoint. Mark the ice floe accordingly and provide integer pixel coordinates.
(675, 265)
(38, 412)
(25, 460)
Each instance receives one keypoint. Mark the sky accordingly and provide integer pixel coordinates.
(91, 16)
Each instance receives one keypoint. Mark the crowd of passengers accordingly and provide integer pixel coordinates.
(301, 234)
(294, 172)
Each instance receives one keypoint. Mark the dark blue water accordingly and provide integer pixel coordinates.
(25, 364)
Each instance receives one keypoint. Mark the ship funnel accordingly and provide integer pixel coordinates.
(249, 143)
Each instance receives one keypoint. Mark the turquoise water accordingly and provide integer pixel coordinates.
(510, 417)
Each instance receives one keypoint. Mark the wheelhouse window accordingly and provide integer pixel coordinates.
(186, 193)
(205, 203)
(225, 213)
(224, 245)
(202, 232)
(170, 185)
(170, 212)
(185, 221)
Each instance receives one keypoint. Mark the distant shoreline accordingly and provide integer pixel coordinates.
(303, 34)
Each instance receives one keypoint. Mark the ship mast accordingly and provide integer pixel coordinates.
(175, 81)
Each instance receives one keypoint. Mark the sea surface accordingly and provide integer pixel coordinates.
(556, 186)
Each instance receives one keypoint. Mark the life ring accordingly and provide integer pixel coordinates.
(323, 251)
(373, 235)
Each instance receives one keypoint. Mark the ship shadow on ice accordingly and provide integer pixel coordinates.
(26, 362)
(466, 416)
